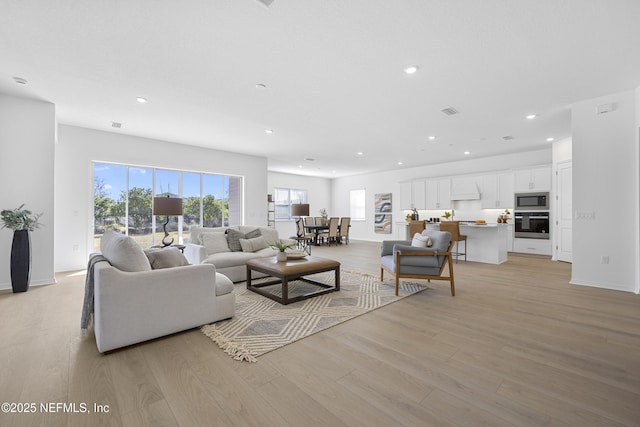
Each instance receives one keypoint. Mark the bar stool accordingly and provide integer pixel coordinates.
(453, 227)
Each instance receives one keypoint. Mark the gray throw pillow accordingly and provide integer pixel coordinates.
(166, 258)
(233, 239)
(253, 234)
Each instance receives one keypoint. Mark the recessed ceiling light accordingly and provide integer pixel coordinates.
(20, 80)
(550, 139)
(261, 86)
(360, 153)
(432, 137)
(411, 70)
(269, 131)
(300, 166)
(531, 117)
(400, 163)
(141, 100)
(466, 153)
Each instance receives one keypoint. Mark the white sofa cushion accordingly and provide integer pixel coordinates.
(214, 242)
(253, 245)
(123, 252)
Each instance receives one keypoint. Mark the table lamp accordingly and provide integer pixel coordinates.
(299, 210)
(167, 206)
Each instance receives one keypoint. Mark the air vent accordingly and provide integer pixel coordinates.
(266, 2)
(508, 138)
(116, 125)
(449, 111)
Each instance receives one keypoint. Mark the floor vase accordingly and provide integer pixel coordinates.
(20, 261)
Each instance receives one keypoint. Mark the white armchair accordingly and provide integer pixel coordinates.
(135, 303)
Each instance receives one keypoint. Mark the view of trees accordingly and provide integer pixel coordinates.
(110, 214)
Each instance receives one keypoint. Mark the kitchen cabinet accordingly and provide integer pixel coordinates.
(497, 191)
(412, 195)
(405, 196)
(533, 179)
(418, 195)
(438, 193)
(532, 246)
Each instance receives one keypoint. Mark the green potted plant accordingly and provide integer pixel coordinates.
(281, 247)
(21, 221)
(446, 215)
(325, 216)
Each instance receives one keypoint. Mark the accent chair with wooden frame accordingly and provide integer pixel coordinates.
(404, 261)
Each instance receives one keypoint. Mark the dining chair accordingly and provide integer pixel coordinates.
(345, 224)
(332, 233)
(308, 220)
(453, 227)
(303, 238)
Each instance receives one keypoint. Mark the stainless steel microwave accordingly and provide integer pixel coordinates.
(532, 201)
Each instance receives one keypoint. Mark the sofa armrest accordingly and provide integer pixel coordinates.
(195, 254)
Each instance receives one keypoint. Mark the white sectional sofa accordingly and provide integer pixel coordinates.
(229, 248)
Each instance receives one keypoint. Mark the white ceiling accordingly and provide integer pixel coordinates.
(333, 71)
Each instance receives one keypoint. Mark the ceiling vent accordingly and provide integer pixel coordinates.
(449, 111)
(116, 125)
(266, 3)
(508, 138)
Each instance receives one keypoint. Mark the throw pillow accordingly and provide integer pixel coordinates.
(233, 239)
(253, 245)
(421, 241)
(270, 235)
(123, 252)
(166, 258)
(214, 243)
(253, 234)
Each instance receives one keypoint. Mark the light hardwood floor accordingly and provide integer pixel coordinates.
(517, 345)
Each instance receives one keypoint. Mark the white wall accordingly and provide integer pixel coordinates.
(27, 138)
(605, 182)
(78, 147)
(389, 182)
(318, 196)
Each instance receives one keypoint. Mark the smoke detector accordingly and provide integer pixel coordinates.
(508, 138)
(449, 111)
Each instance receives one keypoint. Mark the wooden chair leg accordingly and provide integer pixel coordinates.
(397, 284)
(453, 288)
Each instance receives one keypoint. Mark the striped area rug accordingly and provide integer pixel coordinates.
(262, 325)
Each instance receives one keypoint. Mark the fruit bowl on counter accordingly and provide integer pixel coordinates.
(481, 222)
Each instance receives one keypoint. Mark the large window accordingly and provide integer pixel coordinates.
(357, 205)
(284, 198)
(123, 201)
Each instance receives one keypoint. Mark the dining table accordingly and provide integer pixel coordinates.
(316, 230)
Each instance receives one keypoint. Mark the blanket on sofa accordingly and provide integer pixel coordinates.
(87, 305)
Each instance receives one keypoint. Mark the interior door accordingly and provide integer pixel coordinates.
(564, 212)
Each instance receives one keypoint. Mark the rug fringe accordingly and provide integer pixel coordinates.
(235, 350)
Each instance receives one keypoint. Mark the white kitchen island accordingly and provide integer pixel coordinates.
(485, 243)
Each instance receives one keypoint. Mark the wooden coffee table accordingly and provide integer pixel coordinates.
(286, 271)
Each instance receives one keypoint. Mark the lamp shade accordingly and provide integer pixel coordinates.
(300, 209)
(167, 206)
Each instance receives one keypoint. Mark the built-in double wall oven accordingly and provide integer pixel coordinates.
(532, 216)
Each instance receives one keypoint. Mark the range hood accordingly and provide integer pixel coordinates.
(465, 191)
